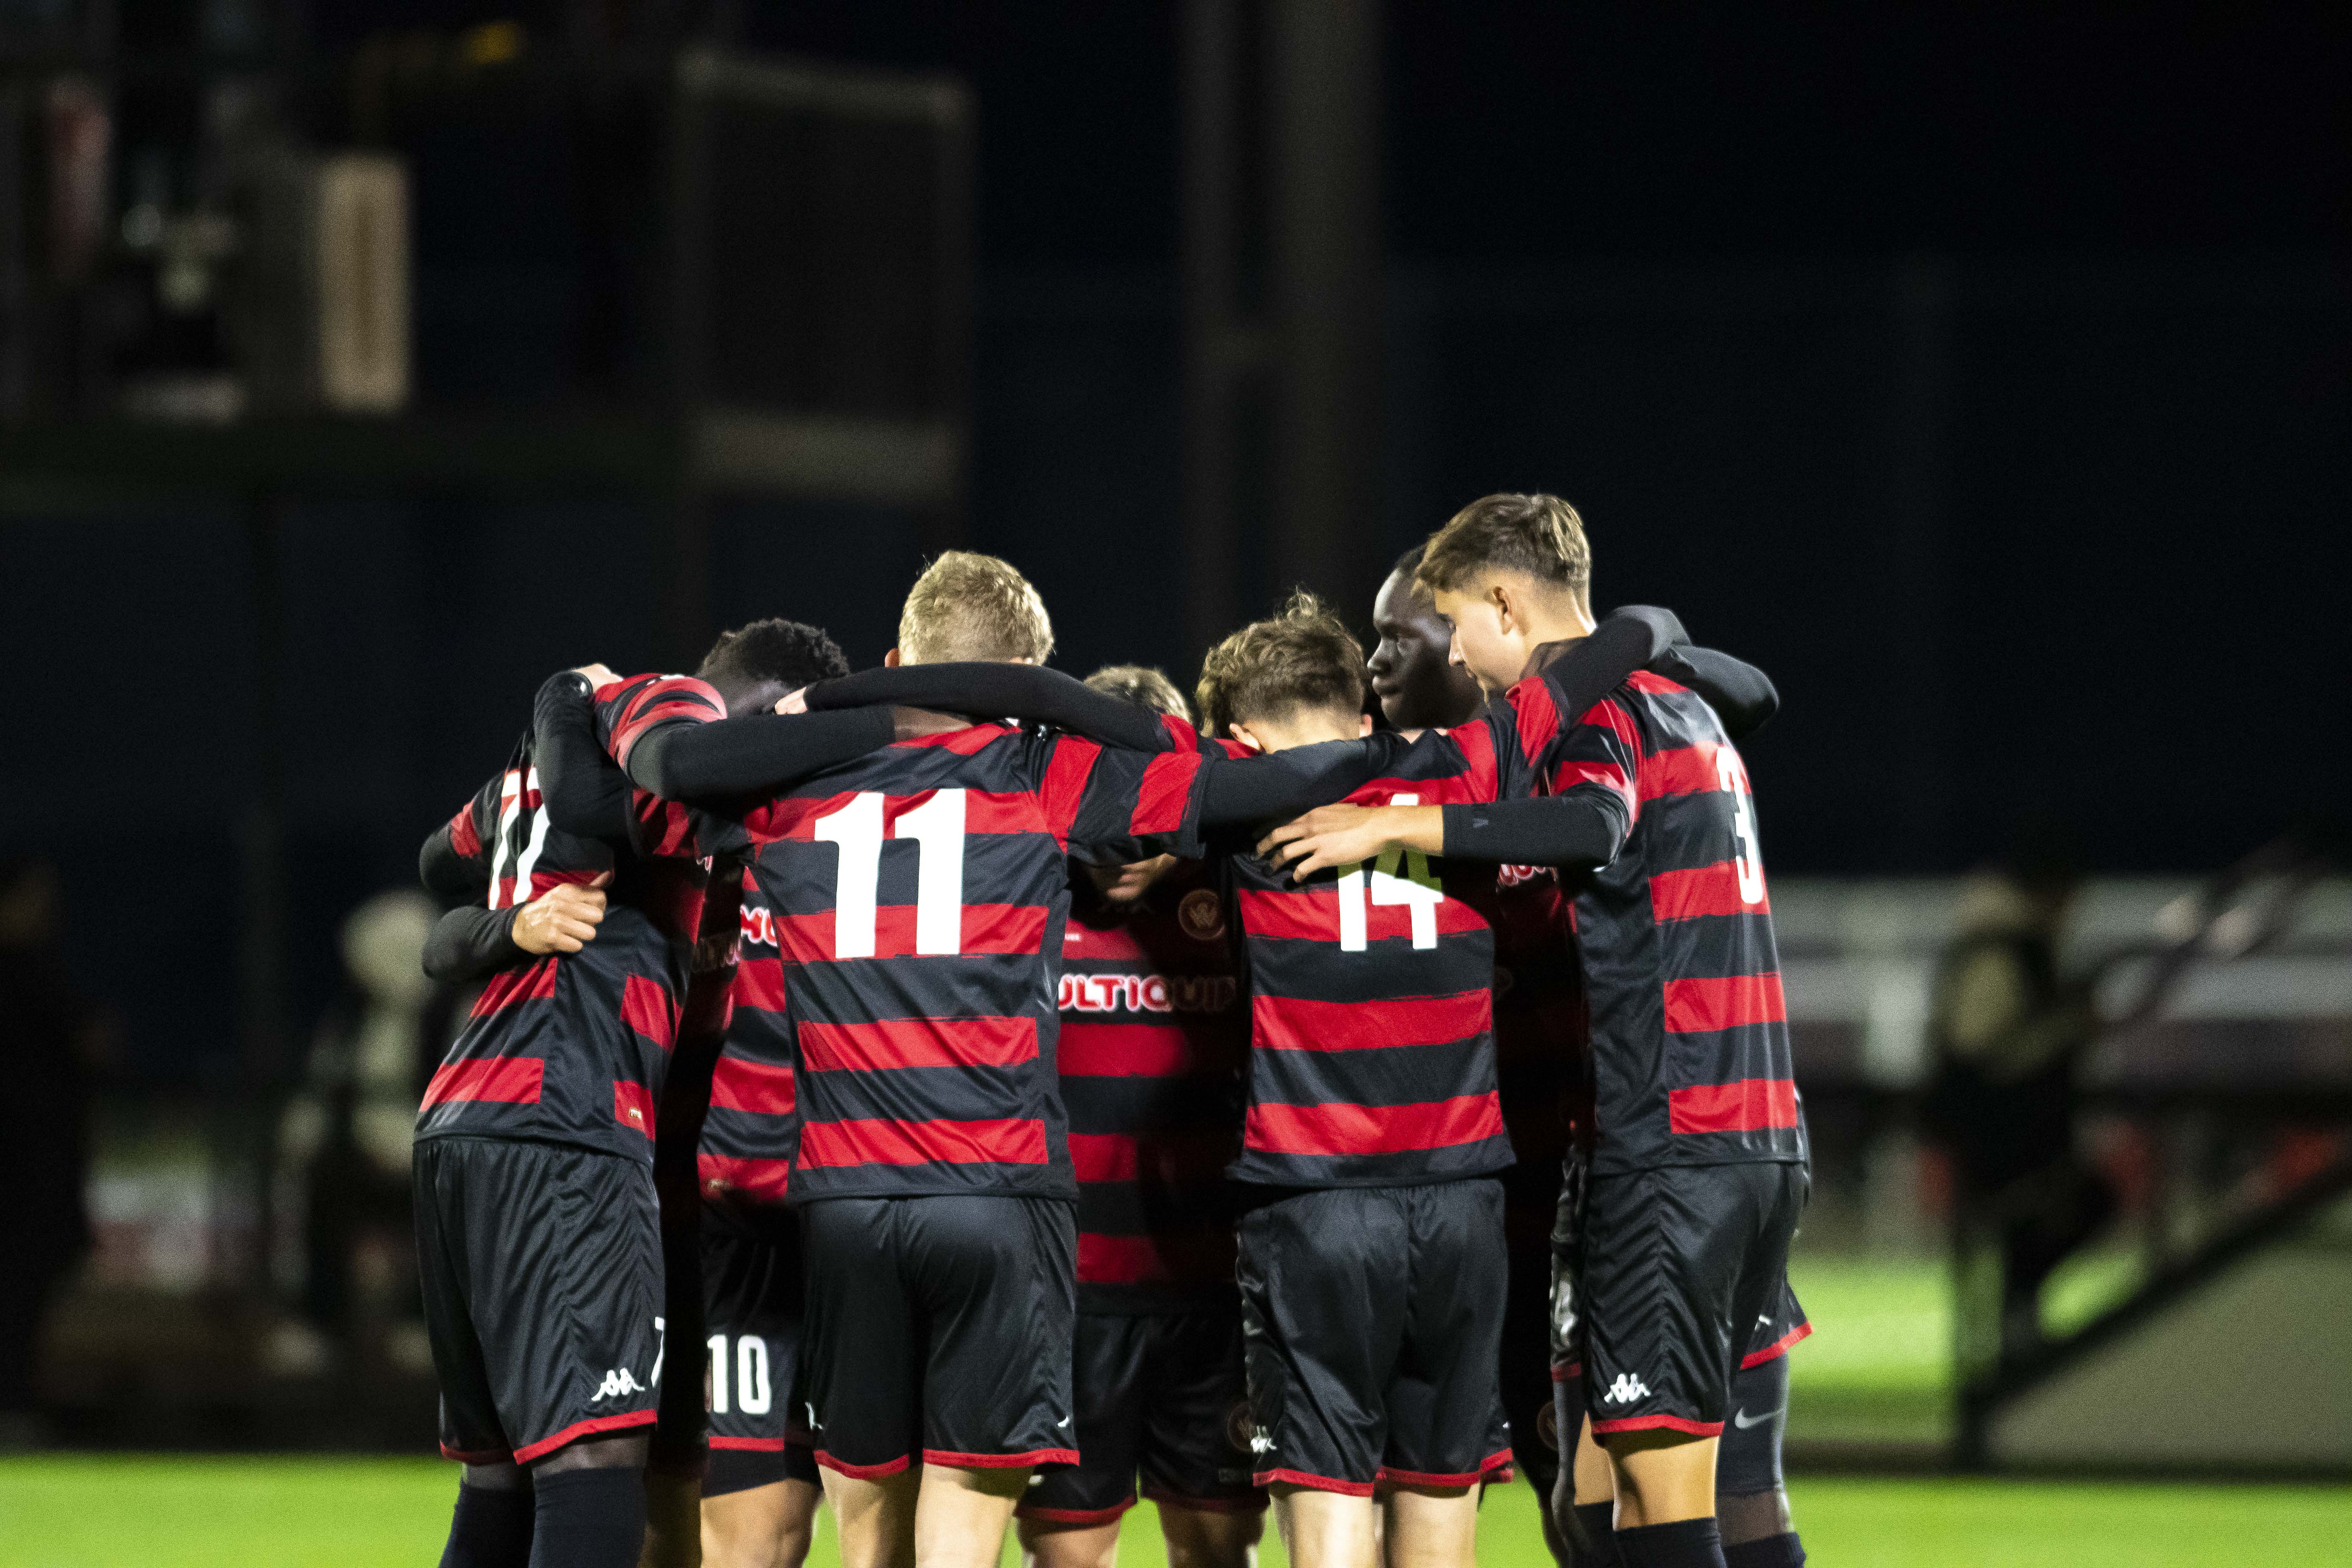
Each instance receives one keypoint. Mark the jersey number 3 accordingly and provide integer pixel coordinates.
(937, 828)
(1748, 863)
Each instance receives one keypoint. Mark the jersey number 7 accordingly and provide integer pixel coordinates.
(936, 827)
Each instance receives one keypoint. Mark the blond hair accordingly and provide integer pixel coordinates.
(1303, 657)
(1145, 687)
(1538, 535)
(972, 606)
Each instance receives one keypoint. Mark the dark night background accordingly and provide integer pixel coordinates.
(1981, 373)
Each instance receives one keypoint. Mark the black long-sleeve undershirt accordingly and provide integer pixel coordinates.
(470, 942)
(588, 796)
(1742, 696)
(1026, 692)
(1271, 788)
(584, 791)
(1547, 831)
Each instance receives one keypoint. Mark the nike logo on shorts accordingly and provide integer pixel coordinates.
(1741, 1419)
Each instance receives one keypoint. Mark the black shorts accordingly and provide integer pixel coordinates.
(1778, 1328)
(1524, 1368)
(752, 1293)
(1676, 1271)
(1163, 1394)
(542, 1270)
(939, 1328)
(1375, 1320)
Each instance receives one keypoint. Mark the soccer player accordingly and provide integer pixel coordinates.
(1698, 1173)
(919, 897)
(760, 1489)
(538, 1234)
(1540, 1037)
(1152, 1050)
(1372, 1258)
(1538, 1031)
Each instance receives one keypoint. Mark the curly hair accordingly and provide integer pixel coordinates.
(1303, 657)
(790, 653)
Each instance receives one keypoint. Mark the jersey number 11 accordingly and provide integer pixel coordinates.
(937, 828)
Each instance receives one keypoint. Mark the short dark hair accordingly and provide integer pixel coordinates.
(1303, 657)
(788, 653)
(1538, 535)
(1408, 565)
(1144, 686)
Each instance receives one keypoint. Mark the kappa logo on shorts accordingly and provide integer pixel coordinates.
(1626, 1389)
(1261, 1440)
(619, 1381)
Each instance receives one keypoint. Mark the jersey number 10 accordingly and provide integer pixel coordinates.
(937, 828)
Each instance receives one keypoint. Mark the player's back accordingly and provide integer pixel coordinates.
(920, 896)
(746, 1157)
(1689, 1027)
(569, 1048)
(1151, 1054)
(1371, 1002)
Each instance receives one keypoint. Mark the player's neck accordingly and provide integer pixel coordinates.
(1542, 626)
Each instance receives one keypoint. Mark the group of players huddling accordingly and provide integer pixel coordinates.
(964, 1090)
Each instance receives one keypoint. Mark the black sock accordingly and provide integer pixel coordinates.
(1685, 1543)
(1772, 1552)
(1599, 1547)
(491, 1529)
(589, 1519)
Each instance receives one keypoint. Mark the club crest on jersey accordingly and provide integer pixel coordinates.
(1201, 914)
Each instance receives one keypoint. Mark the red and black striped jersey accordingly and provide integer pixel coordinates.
(1153, 1049)
(1541, 1053)
(1371, 990)
(1690, 1035)
(746, 1158)
(574, 1047)
(919, 895)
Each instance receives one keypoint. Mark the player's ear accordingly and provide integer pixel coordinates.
(1364, 723)
(1243, 733)
(890, 659)
(1504, 602)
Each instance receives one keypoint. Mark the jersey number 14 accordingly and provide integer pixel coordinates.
(1418, 889)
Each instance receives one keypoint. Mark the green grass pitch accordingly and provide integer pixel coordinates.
(98, 1511)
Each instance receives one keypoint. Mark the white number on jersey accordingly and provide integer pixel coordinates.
(1418, 889)
(937, 828)
(1750, 864)
(512, 791)
(752, 1395)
